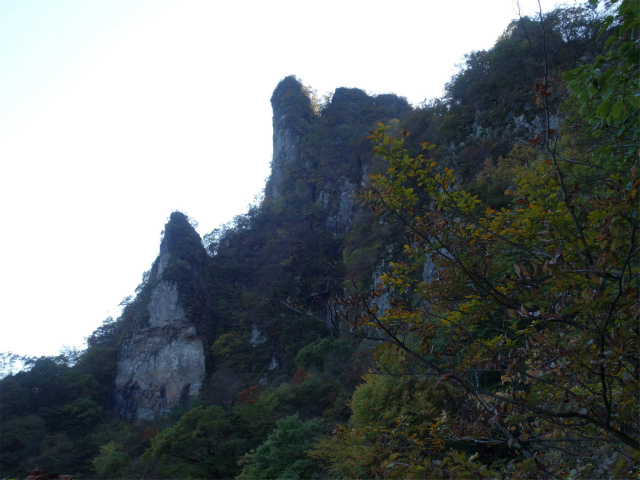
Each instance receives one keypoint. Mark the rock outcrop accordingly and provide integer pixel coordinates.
(292, 115)
(319, 159)
(323, 156)
(162, 361)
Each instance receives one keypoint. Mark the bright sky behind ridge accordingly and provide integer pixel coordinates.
(114, 113)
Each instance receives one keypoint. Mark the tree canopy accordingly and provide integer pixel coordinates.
(528, 318)
(472, 312)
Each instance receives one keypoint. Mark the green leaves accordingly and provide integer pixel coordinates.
(607, 89)
(284, 453)
(112, 462)
(203, 444)
(525, 299)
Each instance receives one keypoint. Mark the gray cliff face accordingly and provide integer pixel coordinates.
(339, 202)
(322, 158)
(292, 115)
(285, 152)
(162, 361)
(293, 118)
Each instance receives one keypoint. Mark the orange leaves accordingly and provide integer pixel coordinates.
(300, 376)
(536, 141)
(248, 396)
(543, 90)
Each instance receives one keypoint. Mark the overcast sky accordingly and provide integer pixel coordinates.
(114, 113)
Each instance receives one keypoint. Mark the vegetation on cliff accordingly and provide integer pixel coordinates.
(473, 316)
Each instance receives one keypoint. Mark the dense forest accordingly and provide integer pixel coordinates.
(447, 290)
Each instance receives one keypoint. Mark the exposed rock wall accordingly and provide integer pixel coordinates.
(325, 156)
(161, 363)
(319, 160)
(162, 360)
(340, 216)
(292, 115)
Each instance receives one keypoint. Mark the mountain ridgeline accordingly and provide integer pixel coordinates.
(288, 250)
(408, 299)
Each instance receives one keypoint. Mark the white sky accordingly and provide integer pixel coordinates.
(114, 113)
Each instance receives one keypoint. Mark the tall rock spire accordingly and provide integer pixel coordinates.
(162, 360)
(292, 115)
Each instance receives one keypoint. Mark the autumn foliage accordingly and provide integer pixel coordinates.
(299, 376)
(500, 336)
(248, 396)
(527, 320)
(531, 322)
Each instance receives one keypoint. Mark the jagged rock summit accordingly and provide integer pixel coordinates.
(292, 115)
(317, 165)
(162, 360)
(319, 151)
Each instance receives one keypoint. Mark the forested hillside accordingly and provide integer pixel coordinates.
(447, 290)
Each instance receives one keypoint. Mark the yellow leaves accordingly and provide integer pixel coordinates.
(513, 289)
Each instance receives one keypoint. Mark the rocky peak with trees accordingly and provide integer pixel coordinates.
(161, 359)
(454, 296)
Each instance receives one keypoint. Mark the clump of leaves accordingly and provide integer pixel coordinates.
(284, 453)
(533, 315)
